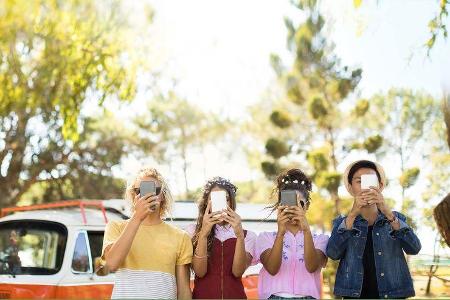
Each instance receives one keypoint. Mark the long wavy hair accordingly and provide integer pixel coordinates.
(166, 203)
(292, 179)
(203, 203)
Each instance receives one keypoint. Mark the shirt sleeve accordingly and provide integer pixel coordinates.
(190, 229)
(264, 241)
(250, 242)
(185, 250)
(320, 242)
(112, 233)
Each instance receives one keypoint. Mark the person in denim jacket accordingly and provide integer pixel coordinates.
(370, 242)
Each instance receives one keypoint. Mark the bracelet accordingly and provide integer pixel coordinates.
(393, 220)
(198, 256)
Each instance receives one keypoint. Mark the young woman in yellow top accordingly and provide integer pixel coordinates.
(151, 258)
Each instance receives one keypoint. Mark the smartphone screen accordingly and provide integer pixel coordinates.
(218, 201)
(288, 198)
(147, 187)
(368, 180)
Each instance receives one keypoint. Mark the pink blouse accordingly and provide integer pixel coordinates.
(292, 279)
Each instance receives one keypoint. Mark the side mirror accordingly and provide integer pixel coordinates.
(100, 267)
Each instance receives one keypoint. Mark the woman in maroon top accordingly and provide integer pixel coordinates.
(222, 249)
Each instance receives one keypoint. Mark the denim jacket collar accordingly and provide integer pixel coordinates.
(380, 220)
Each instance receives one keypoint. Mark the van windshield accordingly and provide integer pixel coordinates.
(30, 247)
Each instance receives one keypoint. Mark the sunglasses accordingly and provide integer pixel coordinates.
(137, 191)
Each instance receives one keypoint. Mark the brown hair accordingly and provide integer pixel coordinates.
(166, 204)
(292, 179)
(203, 203)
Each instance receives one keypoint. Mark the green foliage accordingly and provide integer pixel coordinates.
(409, 177)
(329, 181)
(411, 126)
(437, 25)
(294, 93)
(317, 108)
(281, 119)
(270, 169)
(254, 191)
(175, 126)
(318, 159)
(276, 148)
(373, 143)
(408, 205)
(276, 64)
(56, 58)
(54, 55)
(315, 84)
(86, 171)
(361, 108)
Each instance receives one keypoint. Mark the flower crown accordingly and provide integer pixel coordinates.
(289, 180)
(222, 182)
(292, 182)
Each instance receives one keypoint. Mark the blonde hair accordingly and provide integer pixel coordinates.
(166, 204)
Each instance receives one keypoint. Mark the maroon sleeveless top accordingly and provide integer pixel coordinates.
(219, 281)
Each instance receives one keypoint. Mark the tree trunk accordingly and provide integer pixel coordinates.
(337, 202)
(431, 273)
(334, 194)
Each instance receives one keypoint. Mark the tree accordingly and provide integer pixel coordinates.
(437, 25)
(87, 172)
(175, 127)
(311, 118)
(404, 121)
(54, 57)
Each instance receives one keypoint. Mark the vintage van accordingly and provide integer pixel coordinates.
(51, 250)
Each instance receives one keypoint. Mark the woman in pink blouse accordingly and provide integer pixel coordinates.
(292, 256)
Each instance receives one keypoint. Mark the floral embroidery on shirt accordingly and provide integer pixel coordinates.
(284, 255)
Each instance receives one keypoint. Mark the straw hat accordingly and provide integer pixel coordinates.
(377, 166)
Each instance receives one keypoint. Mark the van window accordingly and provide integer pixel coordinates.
(81, 261)
(96, 244)
(30, 247)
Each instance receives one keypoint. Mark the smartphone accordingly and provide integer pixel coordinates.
(147, 187)
(288, 198)
(218, 201)
(368, 180)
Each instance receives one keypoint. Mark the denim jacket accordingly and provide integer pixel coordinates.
(347, 245)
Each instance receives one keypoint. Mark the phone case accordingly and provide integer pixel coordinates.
(218, 201)
(368, 180)
(147, 187)
(289, 198)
